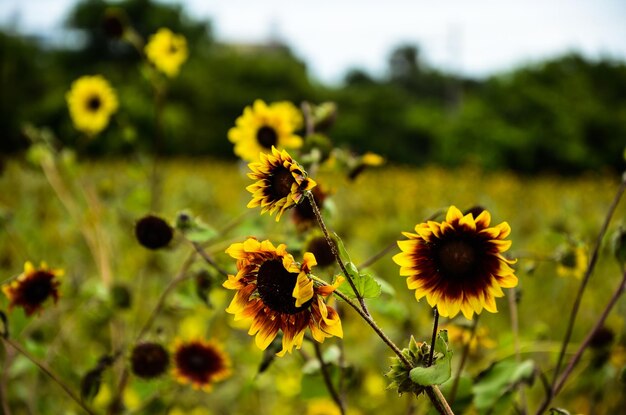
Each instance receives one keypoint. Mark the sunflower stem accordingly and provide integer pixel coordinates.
(327, 380)
(45, 369)
(335, 251)
(574, 360)
(581, 290)
(207, 258)
(434, 336)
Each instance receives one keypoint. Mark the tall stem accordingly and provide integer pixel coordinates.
(574, 360)
(327, 380)
(45, 369)
(434, 336)
(581, 290)
(335, 251)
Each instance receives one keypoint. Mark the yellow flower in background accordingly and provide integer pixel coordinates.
(280, 183)
(322, 406)
(372, 159)
(263, 126)
(276, 293)
(33, 287)
(462, 335)
(91, 102)
(198, 410)
(167, 51)
(200, 362)
(572, 262)
(457, 264)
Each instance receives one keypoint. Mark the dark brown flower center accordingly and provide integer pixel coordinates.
(37, 288)
(275, 285)
(281, 182)
(94, 103)
(198, 362)
(569, 259)
(149, 360)
(322, 251)
(266, 136)
(456, 258)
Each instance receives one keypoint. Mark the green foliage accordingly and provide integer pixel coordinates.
(440, 370)
(497, 382)
(564, 115)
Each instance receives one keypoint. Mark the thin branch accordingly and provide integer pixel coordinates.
(574, 360)
(327, 380)
(371, 260)
(581, 290)
(464, 355)
(208, 259)
(434, 337)
(333, 247)
(45, 369)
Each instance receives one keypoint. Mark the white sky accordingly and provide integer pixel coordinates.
(475, 37)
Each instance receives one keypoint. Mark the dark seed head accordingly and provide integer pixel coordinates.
(281, 182)
(94, 103)
(456, 258)
(275, 285)
(149, 360)
(266, 136)
(153, 232)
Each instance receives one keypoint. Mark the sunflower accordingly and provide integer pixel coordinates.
(33, 287)
(457, 264)
(280, 183)
(572, 261)
(200, 363)
(276, 293)
(91, 102)
(263, 126)
(167, 51)
(303, 215)
(149, 360)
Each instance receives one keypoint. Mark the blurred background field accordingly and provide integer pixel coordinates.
(541, 145)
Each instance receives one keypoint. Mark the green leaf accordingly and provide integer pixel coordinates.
(365, 284)
(499, 380)
(441, 370)
(343, 253)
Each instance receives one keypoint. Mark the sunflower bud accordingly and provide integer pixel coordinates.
(417, 354)
(153, 232)
(149, 360)
(114, 23)
(619, 245)
(319, 247)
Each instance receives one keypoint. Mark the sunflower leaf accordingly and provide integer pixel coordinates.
(441, 370)
(365, 284)
(343, 253)
(499, 380)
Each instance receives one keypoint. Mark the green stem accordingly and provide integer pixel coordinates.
(327, 380)
(581, 290)
(42, 366)
(574, 360)
(208, 259)
(335, 251)
(434, 337)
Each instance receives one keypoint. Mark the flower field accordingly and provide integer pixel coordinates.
(109, 291)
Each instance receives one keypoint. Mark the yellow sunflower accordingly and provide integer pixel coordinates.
(91, 102)
(280, 183)
(200, 362)
(263, 126)
(572, 261)
(457, 264)
(33, 287)
(167, 51)
(277, 294)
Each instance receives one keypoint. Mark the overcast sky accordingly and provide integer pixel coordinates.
(474, 37)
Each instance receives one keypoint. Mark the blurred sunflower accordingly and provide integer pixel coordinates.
(280, 183)
(572, 261)
(457, 264)
(33, 287)
(91, 102)
(277, 293)
(462, 335)
(149, 360)
(322, 406)
(303, 215)
(167, 51)
(200, 363)
(263, 126)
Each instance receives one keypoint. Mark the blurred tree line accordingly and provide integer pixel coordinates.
(566, 115)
